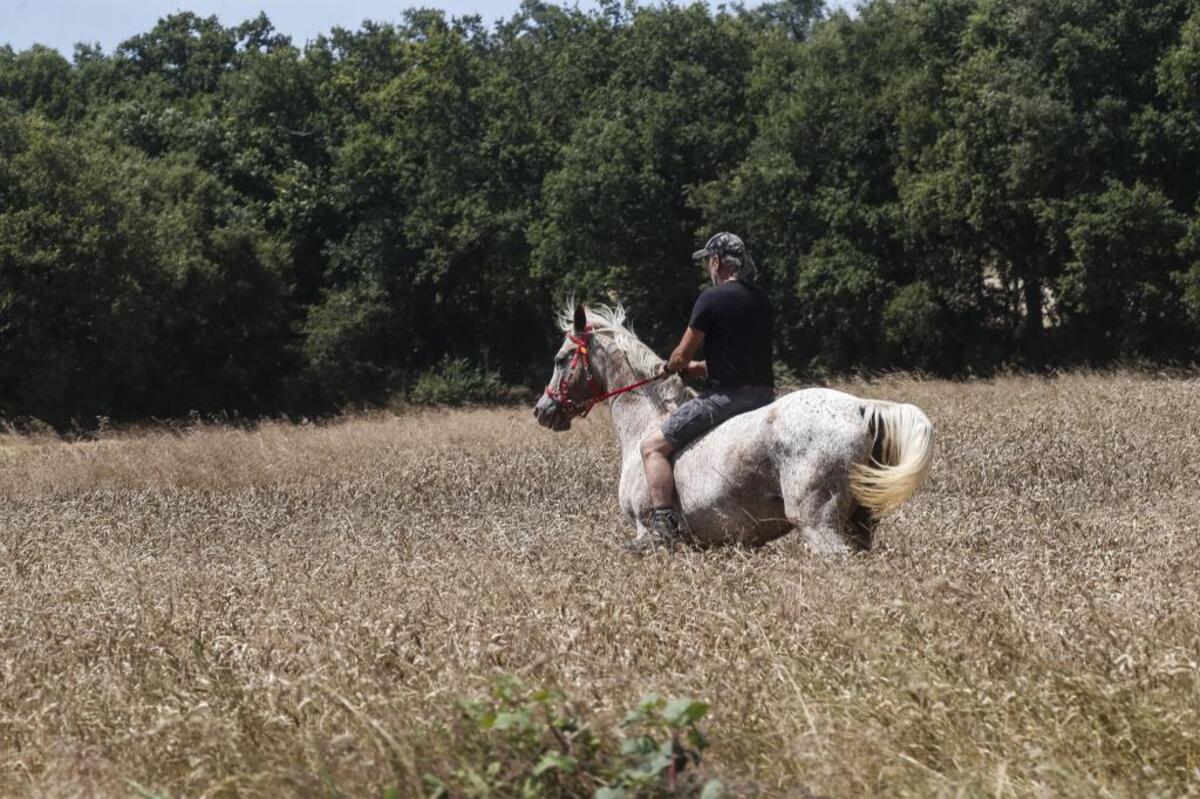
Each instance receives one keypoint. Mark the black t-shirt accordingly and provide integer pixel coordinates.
(737, 323)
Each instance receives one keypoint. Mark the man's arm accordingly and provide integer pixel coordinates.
(681, 361)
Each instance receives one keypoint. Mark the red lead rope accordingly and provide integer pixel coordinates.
(581, 357)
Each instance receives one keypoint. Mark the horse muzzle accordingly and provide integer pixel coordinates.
(552, 415)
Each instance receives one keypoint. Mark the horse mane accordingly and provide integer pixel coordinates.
(644, 361)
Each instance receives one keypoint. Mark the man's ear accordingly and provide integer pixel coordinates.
(580, 319)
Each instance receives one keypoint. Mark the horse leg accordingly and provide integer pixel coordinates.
(633, 497)
(815, 507)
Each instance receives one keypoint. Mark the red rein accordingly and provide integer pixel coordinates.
(580, 357)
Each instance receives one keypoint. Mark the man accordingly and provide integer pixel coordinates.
(734, 322)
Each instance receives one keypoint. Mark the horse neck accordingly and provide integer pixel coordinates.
(634, 413)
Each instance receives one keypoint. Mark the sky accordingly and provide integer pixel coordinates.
(62, 23)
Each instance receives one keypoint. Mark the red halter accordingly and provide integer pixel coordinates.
(598, 395)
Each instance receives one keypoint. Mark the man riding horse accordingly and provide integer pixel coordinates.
(818, 461)
(733, 321)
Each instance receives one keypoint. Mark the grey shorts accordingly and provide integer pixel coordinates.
(697, 416)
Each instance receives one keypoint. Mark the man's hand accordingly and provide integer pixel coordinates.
(694, 370)
(681, 359)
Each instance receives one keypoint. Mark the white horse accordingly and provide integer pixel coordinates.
(817, 460)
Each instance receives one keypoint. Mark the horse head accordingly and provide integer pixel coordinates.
(574, 382)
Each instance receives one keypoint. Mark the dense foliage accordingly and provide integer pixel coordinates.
(215, 218)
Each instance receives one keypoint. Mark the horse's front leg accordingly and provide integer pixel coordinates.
(633, 495)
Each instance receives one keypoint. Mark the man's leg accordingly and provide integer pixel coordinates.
(666, 527)
(660, 474)
(690, 420)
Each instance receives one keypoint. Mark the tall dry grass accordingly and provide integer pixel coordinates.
(296, 609)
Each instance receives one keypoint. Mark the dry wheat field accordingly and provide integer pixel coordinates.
(298, 609)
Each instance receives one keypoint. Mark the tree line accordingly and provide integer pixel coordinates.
(215, 218)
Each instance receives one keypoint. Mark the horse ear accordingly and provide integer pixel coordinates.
(580, 319)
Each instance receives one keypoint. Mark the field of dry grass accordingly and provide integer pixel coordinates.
(297, 609)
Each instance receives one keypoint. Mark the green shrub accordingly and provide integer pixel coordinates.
(525, 742)
(457, 382)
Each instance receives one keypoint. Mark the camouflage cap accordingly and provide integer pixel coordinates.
(723, 244)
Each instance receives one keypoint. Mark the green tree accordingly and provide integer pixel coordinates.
(815, 194)
(1118, 292)
(212, 218)
(39, 79)
(617, 222)
(77, 298)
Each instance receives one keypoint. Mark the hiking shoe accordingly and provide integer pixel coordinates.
(666, 532)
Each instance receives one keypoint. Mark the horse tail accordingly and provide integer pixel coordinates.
(900, 457)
